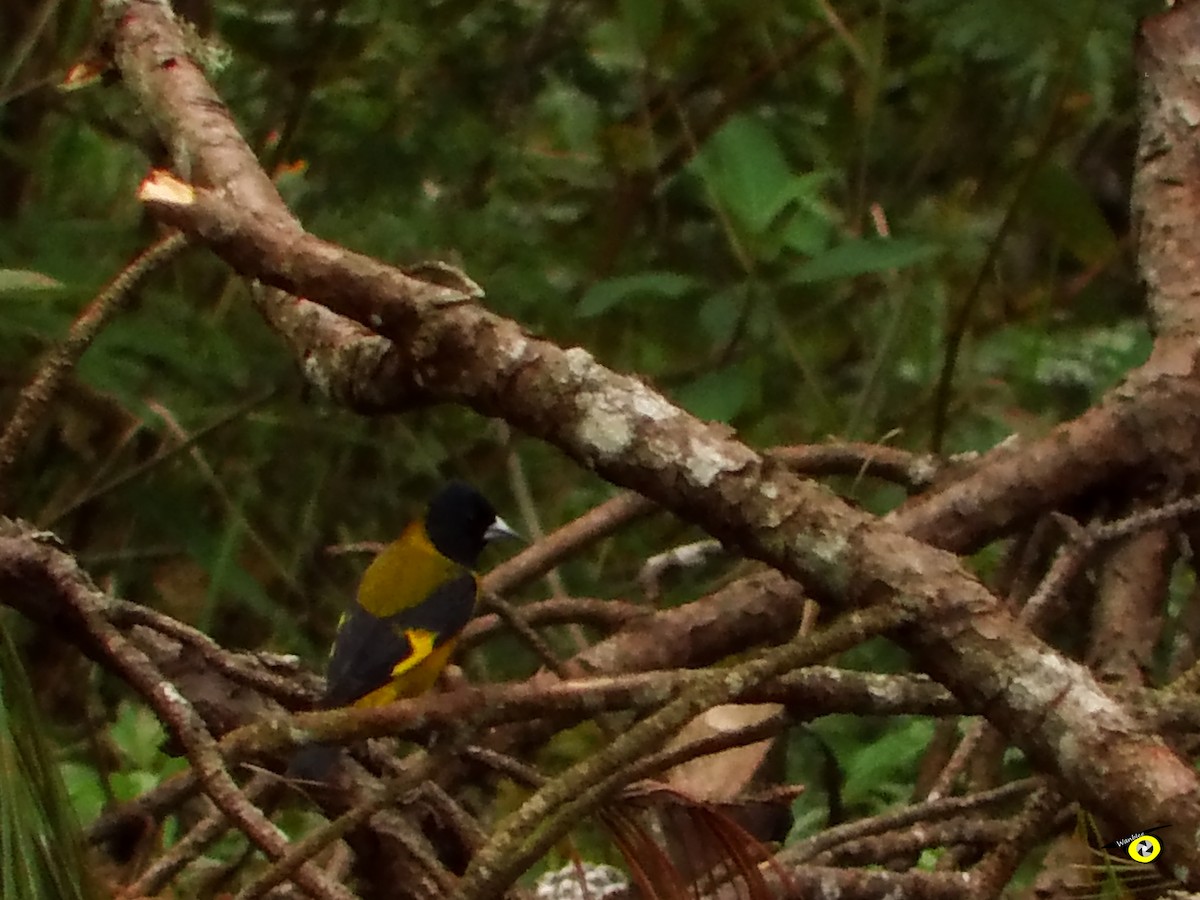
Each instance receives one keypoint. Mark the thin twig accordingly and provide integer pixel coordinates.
(960, 317)
(529, 513)
(163, 870)
(685, 556)
(914, 471)
(713, 743)
(514, 619)
(592, 526)
(36, 397)
(48, 520)
(504, 764)
(1044, 810)
(526, 834)
(294, 689)
(293, 861)
(49, 564)
(232, 508)
(925, 811)
(450, 810)
(608, 615)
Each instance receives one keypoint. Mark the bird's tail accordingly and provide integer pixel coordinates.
(312, 762)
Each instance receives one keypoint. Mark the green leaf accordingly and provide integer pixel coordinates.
(719, 315)
(138, 735)
(575, 114)
(718, 396)
(808, 227)
(888, 762)
(862, 257)
(604, 295)
(84, 789)
(747, 173)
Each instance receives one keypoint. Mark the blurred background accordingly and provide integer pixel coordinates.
(897, 222)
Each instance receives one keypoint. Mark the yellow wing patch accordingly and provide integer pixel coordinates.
(415, 674)
(422, 646)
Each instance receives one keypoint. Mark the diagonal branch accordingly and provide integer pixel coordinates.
(38, 394)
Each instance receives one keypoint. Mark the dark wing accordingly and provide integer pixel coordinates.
(367, 648)
(444, 613)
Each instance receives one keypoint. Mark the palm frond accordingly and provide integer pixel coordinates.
(40, 848)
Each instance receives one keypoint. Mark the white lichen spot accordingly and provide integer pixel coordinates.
(605, 428)
(317, 374)
(734, 681)
(708, 458)
(375, 319)
(1189, 113)
(651, 405)
(580, 363)
(830, 549)
(828, 886)
(1040, 681)
(515, 349)
(769, 490)
(703, 469)
(924, 470)
(171, 694)
(773, 516)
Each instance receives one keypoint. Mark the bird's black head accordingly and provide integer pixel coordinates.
(460, 522)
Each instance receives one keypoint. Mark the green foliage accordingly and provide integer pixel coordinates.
(862, 257)
(614, 292)
(1060, 373)
(137, 736)
(876, 766)
(769, 208)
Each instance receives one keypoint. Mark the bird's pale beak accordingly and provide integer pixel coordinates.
(499, 530)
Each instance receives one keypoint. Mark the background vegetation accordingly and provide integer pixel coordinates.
(904, 223)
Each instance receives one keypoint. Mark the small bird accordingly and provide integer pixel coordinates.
(413, 602)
